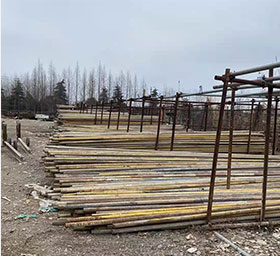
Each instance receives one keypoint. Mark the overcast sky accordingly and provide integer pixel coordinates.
(161, 40)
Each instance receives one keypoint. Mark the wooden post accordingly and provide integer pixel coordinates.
(159, 117)
(231, 127)
(217, 145)
(18, 129)
(4, 132)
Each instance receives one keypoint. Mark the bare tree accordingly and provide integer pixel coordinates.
(99, 74)
(84, 85)
(128, 85)
(77, 81)
(52, 78)
(110, 84)
(135, 87)
(143, 86)
(91, 84)
(122, 81)
(69, 84)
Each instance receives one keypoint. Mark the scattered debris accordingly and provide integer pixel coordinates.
(192, 250)
(6, 198)
(23, 216)
(231, 244)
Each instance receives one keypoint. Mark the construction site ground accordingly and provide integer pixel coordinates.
(37, 236)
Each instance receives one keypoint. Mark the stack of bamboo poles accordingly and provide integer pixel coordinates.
(106, 190)
(101, 188)
(204, 142)
(70, 117)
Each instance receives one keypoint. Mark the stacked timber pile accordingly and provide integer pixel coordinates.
(72, 117)
(101, 188)
(203, 142)
(125, 191)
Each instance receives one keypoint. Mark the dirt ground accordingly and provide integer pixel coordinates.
(37, 236)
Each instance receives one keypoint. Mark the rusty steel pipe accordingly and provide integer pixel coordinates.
(119, 113)
(159, 122)
(96, 109)
(275, 127)
(231, 127)
(174, 121)
(102, 109)
(266, 149)
(250, 126)
(217, 146)
(142, 114)
(110, 114)
(129, 115)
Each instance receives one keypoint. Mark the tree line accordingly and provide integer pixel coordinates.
(40, 90)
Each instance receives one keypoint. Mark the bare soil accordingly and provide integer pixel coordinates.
(39, 237)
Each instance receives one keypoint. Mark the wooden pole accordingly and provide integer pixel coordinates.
(4, 132)
(18, 129)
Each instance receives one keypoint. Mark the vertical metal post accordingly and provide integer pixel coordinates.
(102, 109)
(266, 149)
(206, 116)
(18, 129)
(110, 113)
(162, 116)
(119, 113)
(174, 121)
(91, 107)
(231, 127)
(86, 106)
(129, 115)
(275, 126)
(142, 114)
(96, 109)
(217, 145)
(250, 126)
(159, 117)
(189, 117)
